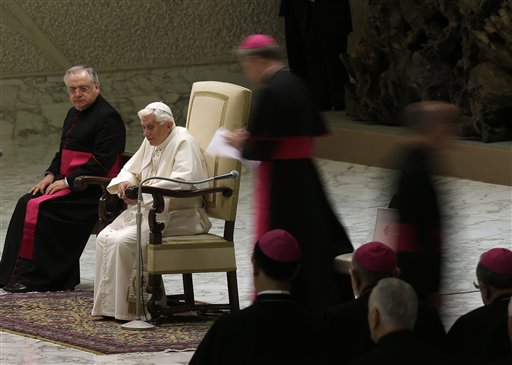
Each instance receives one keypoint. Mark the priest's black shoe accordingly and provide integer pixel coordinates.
(16, 288)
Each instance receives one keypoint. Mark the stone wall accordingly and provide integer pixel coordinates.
(409, 50)
(143, 50)
(38, 105)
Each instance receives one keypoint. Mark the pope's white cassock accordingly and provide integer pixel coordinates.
(178, 157)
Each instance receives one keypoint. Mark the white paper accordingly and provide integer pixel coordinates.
(219, 146)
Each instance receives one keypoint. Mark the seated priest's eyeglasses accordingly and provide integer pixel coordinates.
(81, 89)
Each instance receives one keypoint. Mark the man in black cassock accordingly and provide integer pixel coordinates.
(481, 336)
(417, 197)
(392, 311)
(274, 330)
(51, 224)
(282, 126)
(347, 323)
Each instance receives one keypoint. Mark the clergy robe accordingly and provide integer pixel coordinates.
(481, 335)
(47, 233)
(402, 348)
(274, 330)
(289, 192)
(178, 157)
(417, 202)
(347, 325)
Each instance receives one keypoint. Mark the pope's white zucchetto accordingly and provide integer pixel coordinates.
(158, 105)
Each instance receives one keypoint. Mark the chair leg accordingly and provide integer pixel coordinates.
(233, 291)
(188, 289)
(154, 288)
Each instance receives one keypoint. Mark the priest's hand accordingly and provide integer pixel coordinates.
(56, 186)
(237, 138)
(41, 186)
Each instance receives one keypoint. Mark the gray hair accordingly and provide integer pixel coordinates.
(161, 116)
(396, 302)
(80, 68)
(370, 277)
(422, 115)
(271, 52)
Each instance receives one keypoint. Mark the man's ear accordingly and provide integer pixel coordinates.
(355, 280)
(373, 317)
(296, 271)
(486, 293)
(397, 272)
(373, 322)
(255, 270)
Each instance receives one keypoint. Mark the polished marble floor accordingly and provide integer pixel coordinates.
(480, 217)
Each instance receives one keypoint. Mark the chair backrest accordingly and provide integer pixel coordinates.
(213, 105)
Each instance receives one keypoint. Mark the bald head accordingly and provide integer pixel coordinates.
(424, 115)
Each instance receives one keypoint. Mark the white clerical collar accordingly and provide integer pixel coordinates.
(274, 292)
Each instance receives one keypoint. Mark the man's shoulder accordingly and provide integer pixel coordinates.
(101, 105)
(286, 79)
(473, 319)
(183, 134)
(348, 311)
(427, 310)
(235, 319)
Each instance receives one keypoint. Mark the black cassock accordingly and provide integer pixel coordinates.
(481, 336)
(272, 331)
(42, 248)
(347, 324)
(418, 204)
(289, 192)
(402, 348)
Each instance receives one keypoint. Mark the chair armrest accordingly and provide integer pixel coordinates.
(158, 194)
(109, 206)
(187, 193)
(82, 182)
(131, 192)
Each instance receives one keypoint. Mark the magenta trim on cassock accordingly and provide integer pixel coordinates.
(70, 160)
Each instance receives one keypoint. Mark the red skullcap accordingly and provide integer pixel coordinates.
(375, 256)
(279, 245)
(257, 41)
(498, 260)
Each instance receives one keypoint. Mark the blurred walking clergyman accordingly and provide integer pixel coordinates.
(417, 199)
(289, 192)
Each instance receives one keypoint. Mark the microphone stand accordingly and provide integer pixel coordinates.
(138, 323)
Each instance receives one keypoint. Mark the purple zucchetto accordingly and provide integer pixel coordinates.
(498, 260)
(257, 41)
(279, 245)
(375, 256)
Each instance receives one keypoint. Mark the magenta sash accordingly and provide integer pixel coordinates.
(70, 160)
(294, 147)
(407, 241)
(288, 148)
(262, 198)
(27, 242)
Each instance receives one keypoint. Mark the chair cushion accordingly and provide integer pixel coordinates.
(189, 254)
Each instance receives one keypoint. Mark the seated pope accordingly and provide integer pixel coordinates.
(167, 151)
